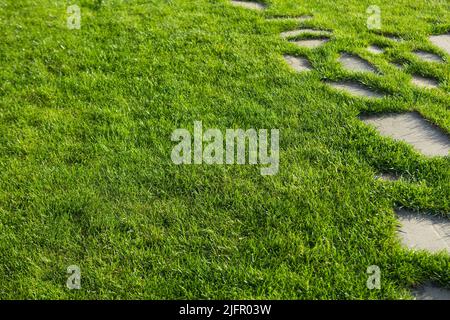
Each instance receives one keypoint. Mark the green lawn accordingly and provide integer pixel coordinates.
(86, 176)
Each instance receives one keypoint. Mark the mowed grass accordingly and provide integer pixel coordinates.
(86, 176)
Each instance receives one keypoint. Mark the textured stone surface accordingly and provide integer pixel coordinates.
(355, 89)
(387, 177)
(310, 43)
(375, 49)
(442, 41)
(411, 128)
(298, 19)
(355, 63)
(423, 82)
(297, 32)
(427, 56)
(424, 232)
(249, 4)
(298, 63)
(431, 292)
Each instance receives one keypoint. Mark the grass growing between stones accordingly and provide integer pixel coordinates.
(85, 171)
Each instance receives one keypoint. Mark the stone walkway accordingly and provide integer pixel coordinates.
(416, 231)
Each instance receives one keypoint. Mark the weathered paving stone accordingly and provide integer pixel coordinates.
(299, 64)
(298, 19)
(424, 232)
(311, 43)
(297, 32)
(423, 82)
(249, 4)
(375, 49)
(355, 64)
(387, 177)
(355, 89)
(395, 38)
(430, 291)
(411, 128)
(427, 56)
(442, 41)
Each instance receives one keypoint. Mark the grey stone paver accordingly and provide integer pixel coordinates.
(442, 41)
(297, 32)
(423, 82)
(424, 232)
(299, 64)
(375, 49)
(430, 291)
(411, 128)
(298, 19)
(248, 4)
(311, 43)
(427, 56)
(355, 89)
(387, 177)
(356, 64)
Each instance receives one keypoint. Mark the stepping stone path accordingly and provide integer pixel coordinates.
(298, 63)
(416, 231)
(293, 33)
(249, 5)
(355, 63)
(375, 49)
(423, 82)
(424, 232)
(431, 292)
(356, 89)
(427, 56)
(310, 43)
(413, 129)
(442, 41)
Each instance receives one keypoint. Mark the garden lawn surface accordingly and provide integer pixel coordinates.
(86, 177)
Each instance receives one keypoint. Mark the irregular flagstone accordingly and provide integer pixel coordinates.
(355, 63)
(424, 232)
(411, 128)
(423, 82)
(356, 89)
(298, 63)
(298, 19)
(387, 177)
(431, 292)
(248, 4)
(311, 43)
(375, 49)
(427, 56)
(394, 38)
(442, 41)
(297, 32)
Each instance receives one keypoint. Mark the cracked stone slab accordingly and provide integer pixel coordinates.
(423, 82)
(299, 64)
(355, 89)
(413, 129)
(430, 291)
(428, 56)
(375, 49)
(442, 41)
(310, 43)
(424, 232)
(248, 5)
(355, 64)
(297, 32)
